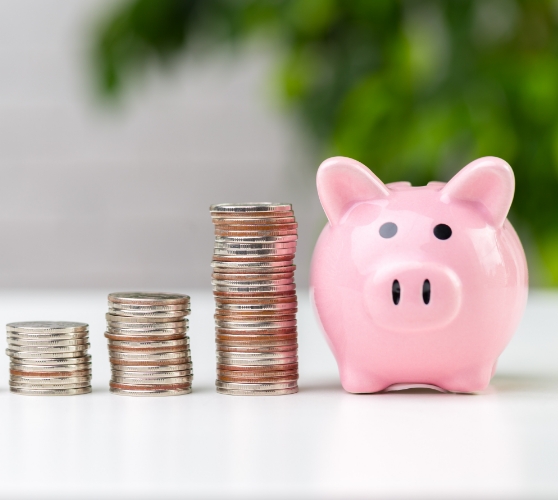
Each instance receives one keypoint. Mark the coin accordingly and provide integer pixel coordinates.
(46, 327)
(149, 298)
(248, 348)
(50, 392)
(145, 338)
(255, 239)
(258, 368)
(132, 313)
(145, 375)
(150, 392)
(250, 207)
(114, 344)
(148, 307)
(152, 369)
(46, 374)
(18, 342)
(276, 392)
(129, 381)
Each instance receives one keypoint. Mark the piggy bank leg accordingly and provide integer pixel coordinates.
(361, 381)
(474, 379)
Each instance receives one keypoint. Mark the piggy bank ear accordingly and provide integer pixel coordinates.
(342, 182)
(488, 182)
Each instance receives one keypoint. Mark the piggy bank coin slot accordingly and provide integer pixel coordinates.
(442, 231)
(426, 292)
(396, 292)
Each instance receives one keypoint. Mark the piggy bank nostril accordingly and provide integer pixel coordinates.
(396, 292)
(426, 291)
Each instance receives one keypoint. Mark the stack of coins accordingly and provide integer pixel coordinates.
(49, 358)
(148, 346)
(255, 296)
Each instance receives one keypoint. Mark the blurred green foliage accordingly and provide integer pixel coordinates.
(414, 89)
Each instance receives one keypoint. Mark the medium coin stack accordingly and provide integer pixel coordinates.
(255, 296)
(49, 358)
(148, 344)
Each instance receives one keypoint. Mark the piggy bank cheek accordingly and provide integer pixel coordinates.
(413, 297)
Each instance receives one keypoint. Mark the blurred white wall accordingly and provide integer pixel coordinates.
(98, 197)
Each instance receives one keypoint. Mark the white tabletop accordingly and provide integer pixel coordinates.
(319, 443)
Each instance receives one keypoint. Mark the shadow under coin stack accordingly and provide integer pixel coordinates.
(49, 358)
(148, 346)
(255, 297)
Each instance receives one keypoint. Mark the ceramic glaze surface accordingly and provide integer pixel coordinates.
(418, 285)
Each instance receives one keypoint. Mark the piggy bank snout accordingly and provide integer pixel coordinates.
(413, 296)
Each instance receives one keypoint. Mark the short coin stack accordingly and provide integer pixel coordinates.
(49, 358)
(255, 296)
(148, 344)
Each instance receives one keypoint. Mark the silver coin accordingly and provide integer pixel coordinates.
(149, 344)
(125, 333)
(255, 307)
(257, 355)
(46, 327)
(254, 253)
(49, 336)
(151, 381)
(148, 325)
(48, 368)
(42, 355)
(152, 369)
(135, 320)
(275, 392)
(151, 392)
(52, 349)
(53, 361)
(257, 266)
(257, 349)
(263, 206)
(251, 284)
(255, 246)
(256, 239)
(256, 362)
(128, 313)
(50, 383)
(17, 342)
(50, 392)
(255, 325)
(149, 357)
(255, 289)
(151, 375)
(144, 307)
(256, 386)
(149, 298)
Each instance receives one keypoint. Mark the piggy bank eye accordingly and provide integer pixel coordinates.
(442, 231)
(388, 230)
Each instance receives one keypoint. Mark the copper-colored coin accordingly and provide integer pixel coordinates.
(246, 319)
(252, 277)
(252, 234)
(270, 299)
(248, 226)
(259, 341)
(258, 349)
(257, 379)
(147, 350)
(257, 368)
(265, 332)
(150, 386)
(162, 362)
(146, 338)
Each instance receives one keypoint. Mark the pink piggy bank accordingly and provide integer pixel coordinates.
(418, 285)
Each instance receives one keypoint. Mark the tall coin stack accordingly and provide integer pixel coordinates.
(255, 297)
(148, 344)
(49, 358)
